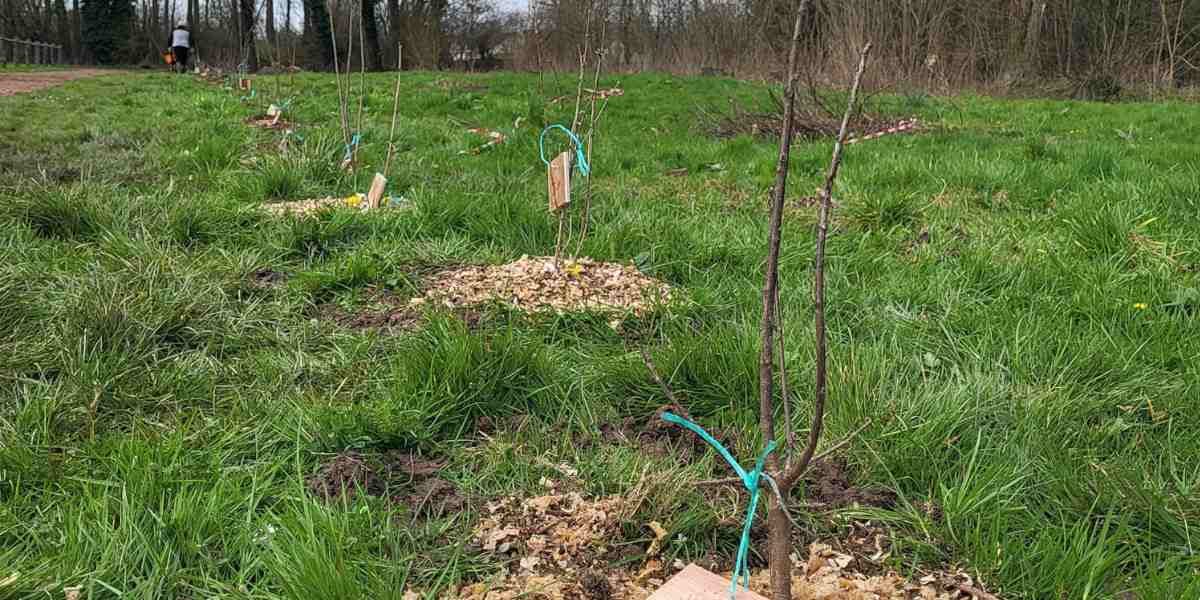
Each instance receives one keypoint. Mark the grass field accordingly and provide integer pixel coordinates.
(1014, 298)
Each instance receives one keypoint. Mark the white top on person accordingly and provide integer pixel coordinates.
(181, 38)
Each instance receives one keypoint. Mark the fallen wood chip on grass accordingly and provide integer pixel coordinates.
(494, 138)
(606, 94)
(536, 283)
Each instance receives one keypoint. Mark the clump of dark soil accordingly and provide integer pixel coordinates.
(402, 478)
(384, 321)
(265, 279)
(828, 485)
(345, 475)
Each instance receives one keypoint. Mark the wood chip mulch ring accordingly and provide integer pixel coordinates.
(536, 284)
(316, 205)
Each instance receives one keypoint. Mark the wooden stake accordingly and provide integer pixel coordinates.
(375, 194)
(695, 583)
(558, 178)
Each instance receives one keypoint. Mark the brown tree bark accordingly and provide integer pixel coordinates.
(270, 22)
(779, 527)
(248, 52)
(1033, 31)
(370, 31)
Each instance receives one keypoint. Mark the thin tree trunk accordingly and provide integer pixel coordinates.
(370, 30)
(779, 527)
(248, 50)
(1033, 30)
(270, 9)
(394, 33)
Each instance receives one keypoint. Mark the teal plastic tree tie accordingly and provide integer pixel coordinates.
(580, 157)
(749, 479)
(350, 148)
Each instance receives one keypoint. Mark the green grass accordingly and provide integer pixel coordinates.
(159, 415)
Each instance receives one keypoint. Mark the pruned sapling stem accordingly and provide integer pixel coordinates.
(779, 527)
(387, 165)
(820, 384)
(337, 78)
(786, 474)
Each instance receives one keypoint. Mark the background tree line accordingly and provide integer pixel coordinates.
(928, 43)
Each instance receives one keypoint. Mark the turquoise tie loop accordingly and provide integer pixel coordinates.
(350, 148)
(749, 479)
(580, 157)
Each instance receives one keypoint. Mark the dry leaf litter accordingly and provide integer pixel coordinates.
(556, 547)
(536, 283)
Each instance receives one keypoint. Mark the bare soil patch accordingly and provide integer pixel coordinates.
(402, 478)
(12, 84)
(828, 485)
(388, 313)
(809, 122)
(266, 279)
(268, 122)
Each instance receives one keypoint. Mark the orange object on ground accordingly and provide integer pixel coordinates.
(168, 57)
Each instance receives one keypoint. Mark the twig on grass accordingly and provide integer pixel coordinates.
(658, 378)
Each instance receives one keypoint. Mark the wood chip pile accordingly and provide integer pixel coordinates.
(315, 205)
(536, 283)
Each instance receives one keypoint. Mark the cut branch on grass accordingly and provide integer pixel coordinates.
(658, 378)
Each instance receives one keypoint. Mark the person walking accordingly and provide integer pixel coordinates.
(181, 45)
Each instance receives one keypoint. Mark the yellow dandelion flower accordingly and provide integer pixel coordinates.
(1141, 305)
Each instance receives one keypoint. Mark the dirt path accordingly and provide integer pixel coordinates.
(18, 83)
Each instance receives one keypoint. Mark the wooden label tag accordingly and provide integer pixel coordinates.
(695, 583)
(558, 177)
(375, 194)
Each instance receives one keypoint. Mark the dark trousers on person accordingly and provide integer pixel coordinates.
(181, 58)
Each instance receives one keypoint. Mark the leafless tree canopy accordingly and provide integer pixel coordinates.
(933, 44)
